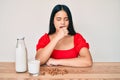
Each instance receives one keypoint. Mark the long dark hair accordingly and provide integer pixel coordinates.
(54, 11)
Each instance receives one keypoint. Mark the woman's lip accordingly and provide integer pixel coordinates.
(62, 26)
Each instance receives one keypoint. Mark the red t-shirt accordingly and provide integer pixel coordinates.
(79, 42)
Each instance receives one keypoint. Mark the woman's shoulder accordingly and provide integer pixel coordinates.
(45, 37)
(80, 42)
(44, 40)
(45, 34)
(77, 35)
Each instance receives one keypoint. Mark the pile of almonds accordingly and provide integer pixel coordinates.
(53, 71)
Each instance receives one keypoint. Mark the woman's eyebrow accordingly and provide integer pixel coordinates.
(58, 17)
(65, 17)
(61, 17)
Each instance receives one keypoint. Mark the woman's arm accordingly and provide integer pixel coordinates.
(84, 60)
(43, 54)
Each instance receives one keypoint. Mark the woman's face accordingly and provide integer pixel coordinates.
(61, 20)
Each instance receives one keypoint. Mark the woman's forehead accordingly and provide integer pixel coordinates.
(61, 13)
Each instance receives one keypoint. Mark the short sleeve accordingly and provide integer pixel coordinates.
(43, 41)
(80, 42)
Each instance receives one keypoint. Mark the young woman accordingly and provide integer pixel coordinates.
(62, 45)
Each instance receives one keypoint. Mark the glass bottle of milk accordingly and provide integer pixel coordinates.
(21, 56)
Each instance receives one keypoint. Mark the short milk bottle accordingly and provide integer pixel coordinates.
(21, 56)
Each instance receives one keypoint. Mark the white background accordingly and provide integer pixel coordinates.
(97, 20)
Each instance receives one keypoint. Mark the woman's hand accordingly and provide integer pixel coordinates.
(51, 62)
(62, 33)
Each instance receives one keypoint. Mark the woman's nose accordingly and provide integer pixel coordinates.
(63, 22)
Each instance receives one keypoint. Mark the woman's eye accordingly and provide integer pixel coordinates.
(58, 19)
(66, 19)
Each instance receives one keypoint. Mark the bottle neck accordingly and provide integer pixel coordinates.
(20, 42)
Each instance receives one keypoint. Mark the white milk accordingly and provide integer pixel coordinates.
(21, 56)
(34, 67)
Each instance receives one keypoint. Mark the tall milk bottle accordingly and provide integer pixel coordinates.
(21, 56)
